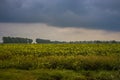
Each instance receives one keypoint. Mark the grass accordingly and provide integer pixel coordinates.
(59, 61)
(46, 74)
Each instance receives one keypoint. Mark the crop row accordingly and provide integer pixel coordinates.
(60, 56)
(62, 62)
(60, 49)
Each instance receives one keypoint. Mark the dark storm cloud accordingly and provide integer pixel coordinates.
(93, 14)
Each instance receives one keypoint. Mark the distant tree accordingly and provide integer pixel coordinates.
(7, 40)
(42, 41)
(113, 41)
(16, 40)
(29, 40)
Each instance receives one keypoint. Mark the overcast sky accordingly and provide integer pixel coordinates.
(64, 20)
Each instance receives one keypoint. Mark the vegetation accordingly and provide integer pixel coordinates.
(16, 40)
(60, 61)
(38, 40)
(42, 41)
(47, 41)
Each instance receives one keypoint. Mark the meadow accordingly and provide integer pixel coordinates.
(60, 61)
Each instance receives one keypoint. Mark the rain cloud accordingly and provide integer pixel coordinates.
(89, 14)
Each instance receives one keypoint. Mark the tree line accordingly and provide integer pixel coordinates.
(48, 41)
(38, 40)
(16, 40)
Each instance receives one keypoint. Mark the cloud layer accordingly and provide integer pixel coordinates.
(54, 33)
(91, 14)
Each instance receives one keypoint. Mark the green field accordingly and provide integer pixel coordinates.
(60, 61)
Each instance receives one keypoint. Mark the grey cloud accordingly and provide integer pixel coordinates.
(93, 14)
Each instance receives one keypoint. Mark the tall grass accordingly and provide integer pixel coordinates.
(84, 60)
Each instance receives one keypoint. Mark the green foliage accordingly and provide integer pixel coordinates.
(16, 40)
(42, 41)
(54, 61)
(46, 74)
